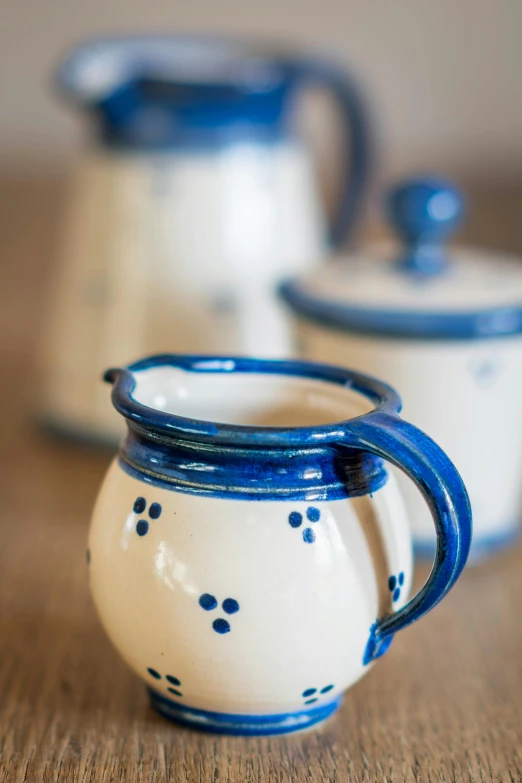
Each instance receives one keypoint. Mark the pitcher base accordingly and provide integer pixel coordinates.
(245, 725)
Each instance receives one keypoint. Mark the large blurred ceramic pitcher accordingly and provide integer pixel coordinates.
(194, 201)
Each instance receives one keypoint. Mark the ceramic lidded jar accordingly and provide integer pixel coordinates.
(445, 327)
(249, 552)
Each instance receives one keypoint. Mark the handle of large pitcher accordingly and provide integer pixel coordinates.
(357, 155)
(407, 447)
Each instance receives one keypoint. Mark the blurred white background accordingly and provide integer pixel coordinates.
(444, 77)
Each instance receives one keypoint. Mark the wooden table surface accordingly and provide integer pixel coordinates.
(445, 704)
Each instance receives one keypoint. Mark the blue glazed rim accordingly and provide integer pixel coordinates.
(345, 317)
(241, 725)
(385, 399)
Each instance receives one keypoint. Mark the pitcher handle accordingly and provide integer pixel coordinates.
(357, 142)
(407, 447)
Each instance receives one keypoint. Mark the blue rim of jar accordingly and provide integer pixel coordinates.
(384, 398)
(468, 325)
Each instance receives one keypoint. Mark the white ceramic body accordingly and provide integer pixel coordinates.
(305, 610)
(465, 394)
(177, 252)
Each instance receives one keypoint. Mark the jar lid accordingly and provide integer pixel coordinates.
(420, 290)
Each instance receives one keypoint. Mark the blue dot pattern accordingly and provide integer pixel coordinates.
(295, 519)
(311, 692)
(140, 504)
(207, 602)
(394, 586)
(221, 626)
(169, 678)
(230, 606)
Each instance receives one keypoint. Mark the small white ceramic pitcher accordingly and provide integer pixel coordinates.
(249, 553)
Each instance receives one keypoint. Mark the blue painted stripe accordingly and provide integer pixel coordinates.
(472, 325)
(252, 474)
(239, 724)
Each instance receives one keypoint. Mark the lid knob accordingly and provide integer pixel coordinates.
(424, 212)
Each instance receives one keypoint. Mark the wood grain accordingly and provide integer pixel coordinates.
(444, 705)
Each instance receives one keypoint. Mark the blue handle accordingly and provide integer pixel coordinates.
(424, 212)
(357, 161)
(407, 447)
